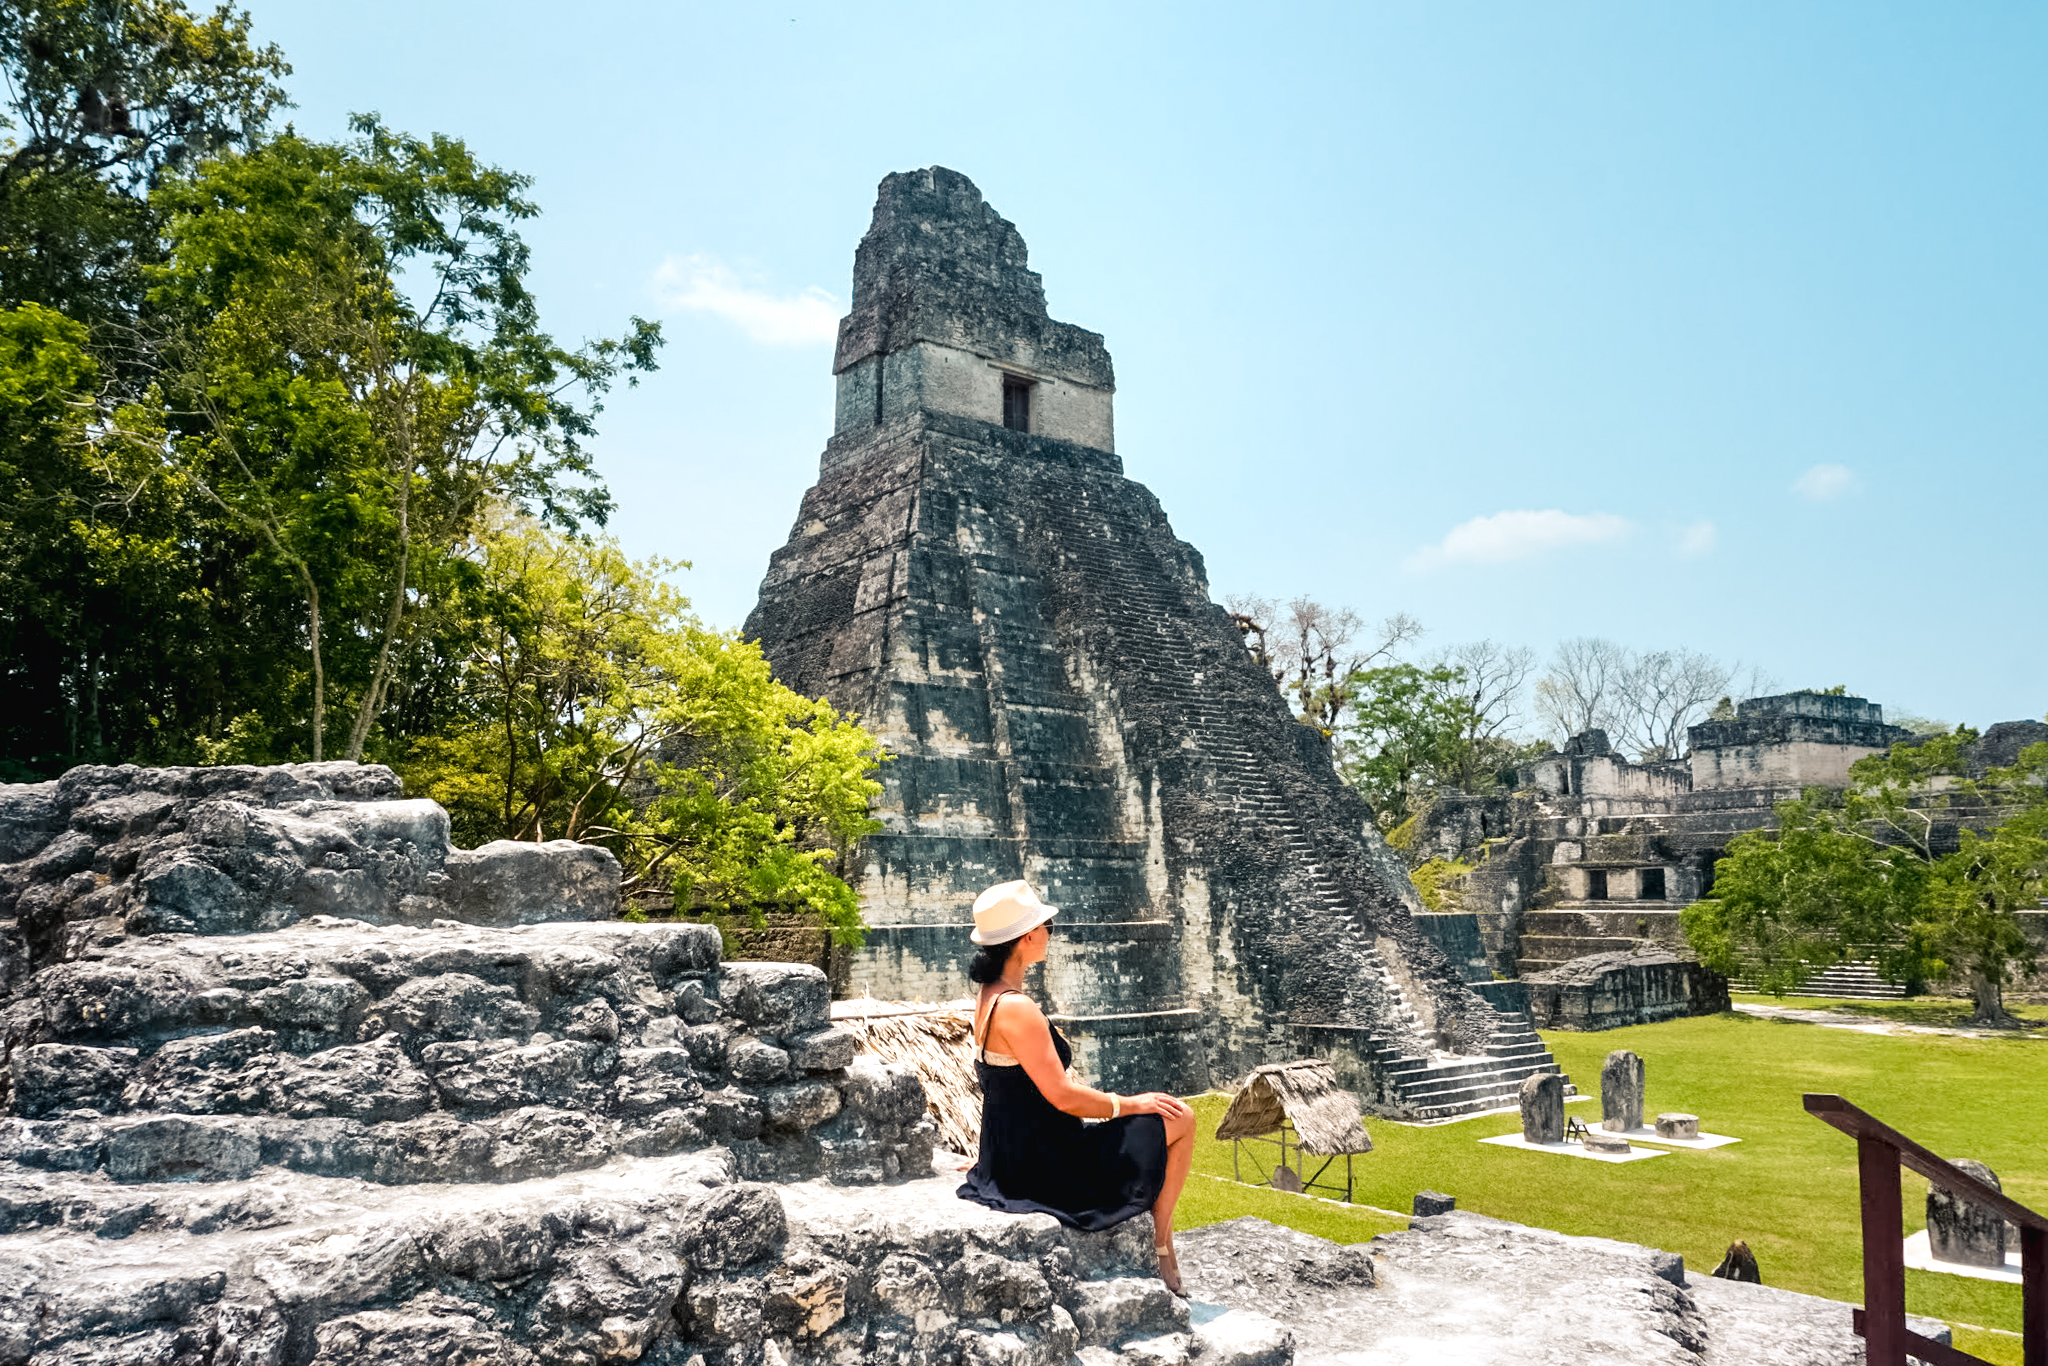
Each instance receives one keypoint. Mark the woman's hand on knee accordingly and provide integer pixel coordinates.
(1169, 1108)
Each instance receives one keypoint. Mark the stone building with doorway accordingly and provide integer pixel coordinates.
(975, 576)
(1594, 854)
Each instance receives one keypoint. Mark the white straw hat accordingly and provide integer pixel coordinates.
(1008, 910)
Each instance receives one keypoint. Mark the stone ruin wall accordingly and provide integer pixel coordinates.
(474, 1119)
(1589, 808)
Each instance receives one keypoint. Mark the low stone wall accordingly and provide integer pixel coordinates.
(400, 1055)
(1609, 990)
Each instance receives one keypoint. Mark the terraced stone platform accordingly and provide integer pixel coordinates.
(663, 1260)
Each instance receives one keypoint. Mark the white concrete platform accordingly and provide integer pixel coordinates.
(1920, 1257)
(1514, 1109)
(1574, 1149)
(1646, 1134)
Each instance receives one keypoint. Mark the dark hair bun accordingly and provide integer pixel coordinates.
(988, 964)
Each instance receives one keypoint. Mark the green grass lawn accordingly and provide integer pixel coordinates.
(1788, 1189)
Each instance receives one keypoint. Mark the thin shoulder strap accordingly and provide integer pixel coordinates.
(988, 1020)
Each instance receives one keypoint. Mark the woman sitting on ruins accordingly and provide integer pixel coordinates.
(1036, 1154)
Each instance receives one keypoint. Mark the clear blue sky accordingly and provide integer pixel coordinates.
(1718, 326)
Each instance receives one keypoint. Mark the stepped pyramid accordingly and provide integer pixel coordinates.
(976, 578)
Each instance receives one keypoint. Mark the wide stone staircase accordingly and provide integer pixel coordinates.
(1422, 1081)
(1443, 1086)
(1854, 980)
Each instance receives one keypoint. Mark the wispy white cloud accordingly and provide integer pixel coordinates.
(1518, 535)
(703, 284)
(1696, 540)
(1823, 482)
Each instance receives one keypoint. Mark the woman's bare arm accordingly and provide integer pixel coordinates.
(1021, 1030)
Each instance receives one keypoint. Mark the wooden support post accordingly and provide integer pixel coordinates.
(2034, 1296)
(1884, 1254)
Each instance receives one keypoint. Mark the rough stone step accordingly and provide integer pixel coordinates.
(1478, 1103)
(642, 1259)
(1440, 1075)
(1441, 1088)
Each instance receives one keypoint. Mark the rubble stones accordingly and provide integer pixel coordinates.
(782, 1000)
(1543, 1108)
(1673, 1124)
(1108, 1312)
(657, 1260)
(49, 1077)
(821, 1050)
(734, 1226)
(306, 1137)
(1962, 1231)
(1433, 1202)
(1621, 1092)
(235, 850)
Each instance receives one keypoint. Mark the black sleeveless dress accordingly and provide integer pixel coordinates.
(1036, 1159)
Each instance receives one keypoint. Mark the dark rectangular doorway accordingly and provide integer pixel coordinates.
(1016, 404)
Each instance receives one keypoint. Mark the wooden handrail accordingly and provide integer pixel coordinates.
(1880, 1152)
(1957, 1182)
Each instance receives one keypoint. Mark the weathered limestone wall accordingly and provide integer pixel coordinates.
(1794, 763)
(391, 1044)
(1456, 936)
(928, 377)
(1609, 990)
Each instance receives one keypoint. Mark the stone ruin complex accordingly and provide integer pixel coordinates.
(1582, 871)
(287, 1079)
(478, 1120)
(975, 577)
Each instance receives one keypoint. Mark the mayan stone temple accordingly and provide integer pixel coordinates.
(975, 577)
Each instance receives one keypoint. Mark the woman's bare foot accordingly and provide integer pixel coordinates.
(1169, 1269)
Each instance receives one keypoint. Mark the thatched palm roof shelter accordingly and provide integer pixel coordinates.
(1306, 1094)
(935, 1041)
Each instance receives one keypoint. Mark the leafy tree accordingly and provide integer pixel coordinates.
(1405, 724)
(1788, 906)
(1872, 870)
(358, 433)
(595, 707)
(106, 98)
(96, 556)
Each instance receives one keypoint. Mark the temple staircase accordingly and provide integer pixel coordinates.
(1422, 1082)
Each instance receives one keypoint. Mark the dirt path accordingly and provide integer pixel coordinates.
(1835, 1019)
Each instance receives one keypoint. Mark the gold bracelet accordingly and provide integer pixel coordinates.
(1116, 1105)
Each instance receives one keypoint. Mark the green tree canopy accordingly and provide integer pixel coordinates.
(1873, 871)
(106, 99)
(358, 425)
(594, 707)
